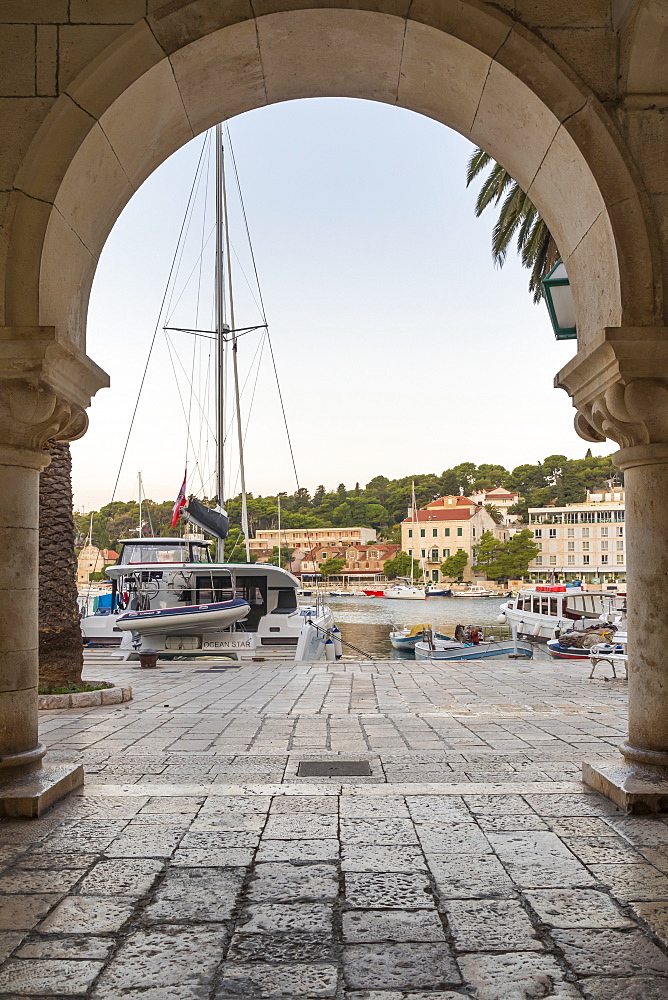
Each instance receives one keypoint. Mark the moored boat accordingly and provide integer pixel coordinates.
(544, 610)
(437, 649)
(406, 593)
(406, 638)
(473, 590)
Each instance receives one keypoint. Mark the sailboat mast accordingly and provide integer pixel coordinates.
(141, 533)
(237, 400)
(220, 327)
(413, 517)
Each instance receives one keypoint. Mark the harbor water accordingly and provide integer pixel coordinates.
(366, 622)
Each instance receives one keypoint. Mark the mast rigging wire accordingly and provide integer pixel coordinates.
(157, 324)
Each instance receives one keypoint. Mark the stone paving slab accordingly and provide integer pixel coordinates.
(195, 865)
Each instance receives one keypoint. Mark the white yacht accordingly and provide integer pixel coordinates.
(474, 590)
(542, 610)
(406, 593)
(169, 596)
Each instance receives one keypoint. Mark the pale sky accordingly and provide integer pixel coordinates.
(400, 347)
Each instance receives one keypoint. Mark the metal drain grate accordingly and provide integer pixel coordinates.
(333, 768)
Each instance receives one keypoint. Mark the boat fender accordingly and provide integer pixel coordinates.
(536, 630)
(330, 650)
(501, 619)
(338, 645)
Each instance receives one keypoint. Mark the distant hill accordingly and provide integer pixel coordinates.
(381, 504)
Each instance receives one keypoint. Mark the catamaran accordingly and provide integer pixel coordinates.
(168, 594)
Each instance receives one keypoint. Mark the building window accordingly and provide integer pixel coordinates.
(620, 530)
(604, 560)
(585, 532)
(410, 532)
(553, 560)
(434, 555)
(604, 532)
(620, 545)
(570, 532)
(459, 532)
(447, 532)
(424, 552)
(571, 546)
(553, 532)
(422, 532)
(538, 560)
(538, 533)
(473, 530)
(604, 546)
(434, 532)
(446, 553)
(585, 560)
(571, 560)
(410, 552)
(620, 560)
(585, 546)
(324, 555)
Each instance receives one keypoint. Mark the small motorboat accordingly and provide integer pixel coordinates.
(405, 638)
(433, 591)
(559, 652)
(474, 591)
(215, 616)
(341, 593)
(437, 649)
(374, 593)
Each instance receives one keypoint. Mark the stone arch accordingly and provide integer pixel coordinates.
(191, 64)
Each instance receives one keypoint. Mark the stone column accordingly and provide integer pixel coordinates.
(645, 470)
(619, 396)
(42, 386)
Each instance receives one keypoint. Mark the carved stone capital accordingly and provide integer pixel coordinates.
(45, 387)
(619, 386)
(31, 413)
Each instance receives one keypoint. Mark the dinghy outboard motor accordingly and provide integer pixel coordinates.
(213, 520)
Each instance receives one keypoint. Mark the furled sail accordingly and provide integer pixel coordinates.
(213, 520)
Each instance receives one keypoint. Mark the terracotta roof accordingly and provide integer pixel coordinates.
(500, 492)
(453, 514)
(442, 502)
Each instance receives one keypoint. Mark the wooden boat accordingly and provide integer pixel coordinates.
(437, 649)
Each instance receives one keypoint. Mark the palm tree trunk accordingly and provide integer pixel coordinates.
(60, 644)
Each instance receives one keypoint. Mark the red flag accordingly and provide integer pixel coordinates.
(180, 502)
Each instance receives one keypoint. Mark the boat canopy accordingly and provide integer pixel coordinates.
(213, 520)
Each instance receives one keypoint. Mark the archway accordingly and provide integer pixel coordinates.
(190, 64)
(479, 73)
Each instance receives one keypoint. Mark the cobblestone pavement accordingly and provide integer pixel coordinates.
(197, 864)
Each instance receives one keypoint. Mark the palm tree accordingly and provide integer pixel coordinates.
(517, 215)
(60, 645)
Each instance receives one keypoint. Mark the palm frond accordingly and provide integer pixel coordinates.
(518, 217)
(478, 161)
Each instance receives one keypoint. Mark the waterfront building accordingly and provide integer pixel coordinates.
(91, 559)
(361, 561)
(500, 498)
(581, 541)
(305, 539)
(441, 529)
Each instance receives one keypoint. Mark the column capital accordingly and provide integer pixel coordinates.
(619, 386)
(45, 386)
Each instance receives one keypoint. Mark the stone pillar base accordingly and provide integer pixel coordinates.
(635, 788)
(28, 795)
